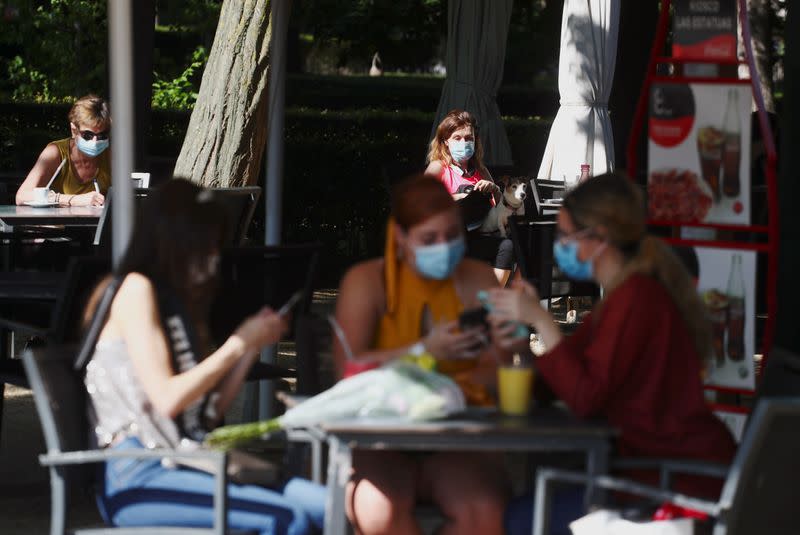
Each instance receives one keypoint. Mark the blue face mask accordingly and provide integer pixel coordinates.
(566, 255)
(461, 150)
(438, 261)
(92, 148)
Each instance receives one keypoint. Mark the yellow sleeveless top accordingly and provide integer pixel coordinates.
(407, 296)
(67, 180)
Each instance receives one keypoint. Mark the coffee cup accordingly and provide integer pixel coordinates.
(41, 195)
(515, 386)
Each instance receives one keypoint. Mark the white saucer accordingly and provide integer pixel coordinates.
(35, 204)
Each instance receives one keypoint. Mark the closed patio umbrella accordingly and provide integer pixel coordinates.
(477, 31)
(581, 132)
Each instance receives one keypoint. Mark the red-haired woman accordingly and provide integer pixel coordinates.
(455, 157)
(382, 308)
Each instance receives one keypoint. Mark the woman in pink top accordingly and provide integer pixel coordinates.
(456, 158)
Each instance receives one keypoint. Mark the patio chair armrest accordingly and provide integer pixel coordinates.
(667, 467)
(218, 458)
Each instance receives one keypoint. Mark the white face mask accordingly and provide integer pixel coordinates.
(202, 271)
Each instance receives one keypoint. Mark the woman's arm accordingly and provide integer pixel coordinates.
(40, 173)
(135, 318)
(230, 385)
(359, 308)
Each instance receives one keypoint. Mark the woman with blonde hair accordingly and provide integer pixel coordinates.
(638, 358)
(455, 157)
(81, 163)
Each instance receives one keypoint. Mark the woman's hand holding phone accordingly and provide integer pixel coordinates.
(447, 341)
(266, 327)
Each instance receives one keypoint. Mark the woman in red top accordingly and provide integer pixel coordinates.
(638, 359)
(455, 157)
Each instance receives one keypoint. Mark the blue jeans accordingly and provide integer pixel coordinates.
(567, 505)
(143, 492)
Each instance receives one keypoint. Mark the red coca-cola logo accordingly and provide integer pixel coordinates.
(672, 113)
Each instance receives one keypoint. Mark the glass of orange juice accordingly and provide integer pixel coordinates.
(515, 386)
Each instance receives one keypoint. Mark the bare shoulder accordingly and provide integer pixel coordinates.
(50, 154)
(364, 275)
(434, 169)
(135, 288)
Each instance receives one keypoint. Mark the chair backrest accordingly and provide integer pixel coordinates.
(252, 277)
(60, 397)
(533, 249)
(83, 274)
(102, 236)
(781, 375)
(759, 494)
(240, 204)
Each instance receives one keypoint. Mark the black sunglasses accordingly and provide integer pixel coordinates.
(88, 135)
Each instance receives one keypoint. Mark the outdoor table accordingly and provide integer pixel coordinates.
(12, 215)
(545, 430)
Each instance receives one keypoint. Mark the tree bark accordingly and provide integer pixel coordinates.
(224, 144)
(760, 14)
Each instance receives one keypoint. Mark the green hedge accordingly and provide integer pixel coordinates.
(338, 165)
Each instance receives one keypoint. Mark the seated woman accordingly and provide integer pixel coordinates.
(408, 303)
(455, 158)
(638, 358)
(87, 162)
(154, 382)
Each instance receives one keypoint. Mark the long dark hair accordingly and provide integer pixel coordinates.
(613, 201)
(178, 226)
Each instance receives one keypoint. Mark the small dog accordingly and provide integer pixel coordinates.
(512, 203)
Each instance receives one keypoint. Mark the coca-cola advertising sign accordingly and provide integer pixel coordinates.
(726, 283)
(704, 29)
(699, 153)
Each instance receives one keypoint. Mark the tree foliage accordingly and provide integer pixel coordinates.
(54, 50)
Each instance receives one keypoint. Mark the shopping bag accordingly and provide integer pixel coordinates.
(606, 522)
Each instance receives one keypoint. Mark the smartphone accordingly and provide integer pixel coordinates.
(290, 304)
(474, 317)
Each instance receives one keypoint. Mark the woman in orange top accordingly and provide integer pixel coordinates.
(408, 303)
(86, 157)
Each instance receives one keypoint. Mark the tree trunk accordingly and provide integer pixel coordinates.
(760, 14)
(225, 140)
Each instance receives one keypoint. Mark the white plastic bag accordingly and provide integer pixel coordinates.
(605, 522)
(396, 391)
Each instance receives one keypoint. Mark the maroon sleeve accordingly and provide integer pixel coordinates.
(583, 369)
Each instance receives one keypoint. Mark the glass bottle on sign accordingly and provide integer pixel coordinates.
(736, 310)
(584, 173)
(732, 146)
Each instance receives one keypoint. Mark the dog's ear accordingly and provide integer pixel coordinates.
(505, 179)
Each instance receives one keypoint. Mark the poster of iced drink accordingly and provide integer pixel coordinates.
(699, 153)
(726, 284)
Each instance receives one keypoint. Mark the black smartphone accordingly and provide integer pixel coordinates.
(474, 317)
(291, 303)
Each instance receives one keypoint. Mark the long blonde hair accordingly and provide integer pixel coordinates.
(454, 120)
(614, 202)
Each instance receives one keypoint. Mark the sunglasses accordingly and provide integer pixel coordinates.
(580, 234)
(88, 135)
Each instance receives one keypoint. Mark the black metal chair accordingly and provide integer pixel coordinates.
(61, 403)
(240, 204)
(252, 277)
(758, 495)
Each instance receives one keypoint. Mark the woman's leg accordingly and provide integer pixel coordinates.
(381, 494)
(142, 493)
(470, 490)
